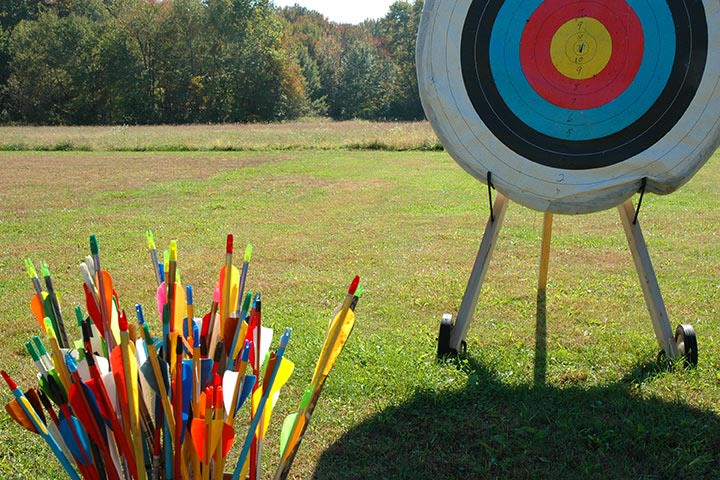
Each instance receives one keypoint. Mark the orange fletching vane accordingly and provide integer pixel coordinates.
(36, 306)
(18, 414)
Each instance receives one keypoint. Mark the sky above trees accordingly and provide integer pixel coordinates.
(343, 11)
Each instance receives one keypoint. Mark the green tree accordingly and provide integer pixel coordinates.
(182, 56)
(316, 43)
(361, 77)
(12, 12)
(141, 25)
(250, 75)
(54, 73)
(397, 33)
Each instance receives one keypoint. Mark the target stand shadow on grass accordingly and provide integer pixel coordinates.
(490, 429)
(493, 430)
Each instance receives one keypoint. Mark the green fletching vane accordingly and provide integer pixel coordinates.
(79, 346)
(287, 428)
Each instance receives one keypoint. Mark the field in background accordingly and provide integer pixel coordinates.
(312, 134)
(589, 401)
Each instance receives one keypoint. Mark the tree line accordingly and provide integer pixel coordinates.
(83, 62)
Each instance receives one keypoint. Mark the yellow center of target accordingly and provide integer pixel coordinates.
(581, 48)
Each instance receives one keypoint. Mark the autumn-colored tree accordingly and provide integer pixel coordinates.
(397, 32)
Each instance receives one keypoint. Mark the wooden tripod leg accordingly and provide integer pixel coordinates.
(477, 276)
(545, 252)
(648, 280)
(540, 370)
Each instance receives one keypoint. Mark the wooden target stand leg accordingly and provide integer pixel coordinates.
(683, 344)
(452, 336)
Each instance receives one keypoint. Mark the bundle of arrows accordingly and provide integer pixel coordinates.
(124, 404)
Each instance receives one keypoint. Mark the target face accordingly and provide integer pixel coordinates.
(571, 103)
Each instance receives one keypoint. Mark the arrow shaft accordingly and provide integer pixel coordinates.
(118, 431)
(42, 430)
(261, 406)
(58, 320)
(104, 314)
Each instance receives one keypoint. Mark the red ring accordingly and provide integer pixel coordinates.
(628, 46)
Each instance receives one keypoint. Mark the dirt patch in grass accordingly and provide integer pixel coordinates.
(64, 179)
(306, 181)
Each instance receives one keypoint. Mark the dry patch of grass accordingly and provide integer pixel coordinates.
(312, 134)
(65, 180)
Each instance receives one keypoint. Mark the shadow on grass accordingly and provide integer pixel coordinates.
(493, 430)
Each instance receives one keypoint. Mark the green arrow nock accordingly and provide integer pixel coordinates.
(94, 248)
(31, 350)
(173, 251)
(32, 273)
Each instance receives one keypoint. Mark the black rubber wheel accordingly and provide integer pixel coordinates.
(687, 344)
(446, 326)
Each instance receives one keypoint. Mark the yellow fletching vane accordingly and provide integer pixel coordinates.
(133, 373)
(283, 375)
(234, 288)
(336, 348)
(180, 307)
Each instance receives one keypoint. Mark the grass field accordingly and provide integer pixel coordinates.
(310, 134)
(582, 397)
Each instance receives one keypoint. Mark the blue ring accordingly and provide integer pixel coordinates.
(657, 63)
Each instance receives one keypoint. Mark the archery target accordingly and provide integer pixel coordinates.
(571, 103)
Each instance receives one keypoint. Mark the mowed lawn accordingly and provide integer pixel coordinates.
(590, 401)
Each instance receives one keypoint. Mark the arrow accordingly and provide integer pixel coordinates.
(243, 278)
(39, 426)
(107, 410)
(56, 316)
(284, 372)
(237, 387)
(153, 255)
(294, 426)
(104, 301)
(129, 375)
(228, 282)
(57, 356)
(240, 332)
(84, 403)
(159, 378)
(256, 419)
(51, 426)
(36, 302)
(39, 364)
